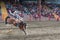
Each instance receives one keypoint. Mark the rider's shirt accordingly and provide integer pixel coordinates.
(16, 15)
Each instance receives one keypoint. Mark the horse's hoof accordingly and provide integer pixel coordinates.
(26, 26)
(26, 33)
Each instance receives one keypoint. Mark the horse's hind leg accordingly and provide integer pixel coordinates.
(24, 32)
(25, 25)
(23, 29)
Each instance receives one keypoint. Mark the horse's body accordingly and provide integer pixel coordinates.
(21, 25)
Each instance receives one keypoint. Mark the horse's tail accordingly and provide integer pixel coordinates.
(6, 19)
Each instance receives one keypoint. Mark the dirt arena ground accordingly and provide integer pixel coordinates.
(42, 30)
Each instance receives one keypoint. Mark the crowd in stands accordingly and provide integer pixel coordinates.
(31, 10)
(48, 11)
(27, 9)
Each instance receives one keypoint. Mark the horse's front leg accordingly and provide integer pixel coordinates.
(24, 31)
(24, 28)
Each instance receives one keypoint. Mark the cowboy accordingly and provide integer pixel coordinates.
(16, 17)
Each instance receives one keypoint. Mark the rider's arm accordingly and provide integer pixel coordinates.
(11, 13)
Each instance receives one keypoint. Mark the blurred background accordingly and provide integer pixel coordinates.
(31, 10)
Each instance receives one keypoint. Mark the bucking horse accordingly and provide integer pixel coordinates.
(10, 20)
